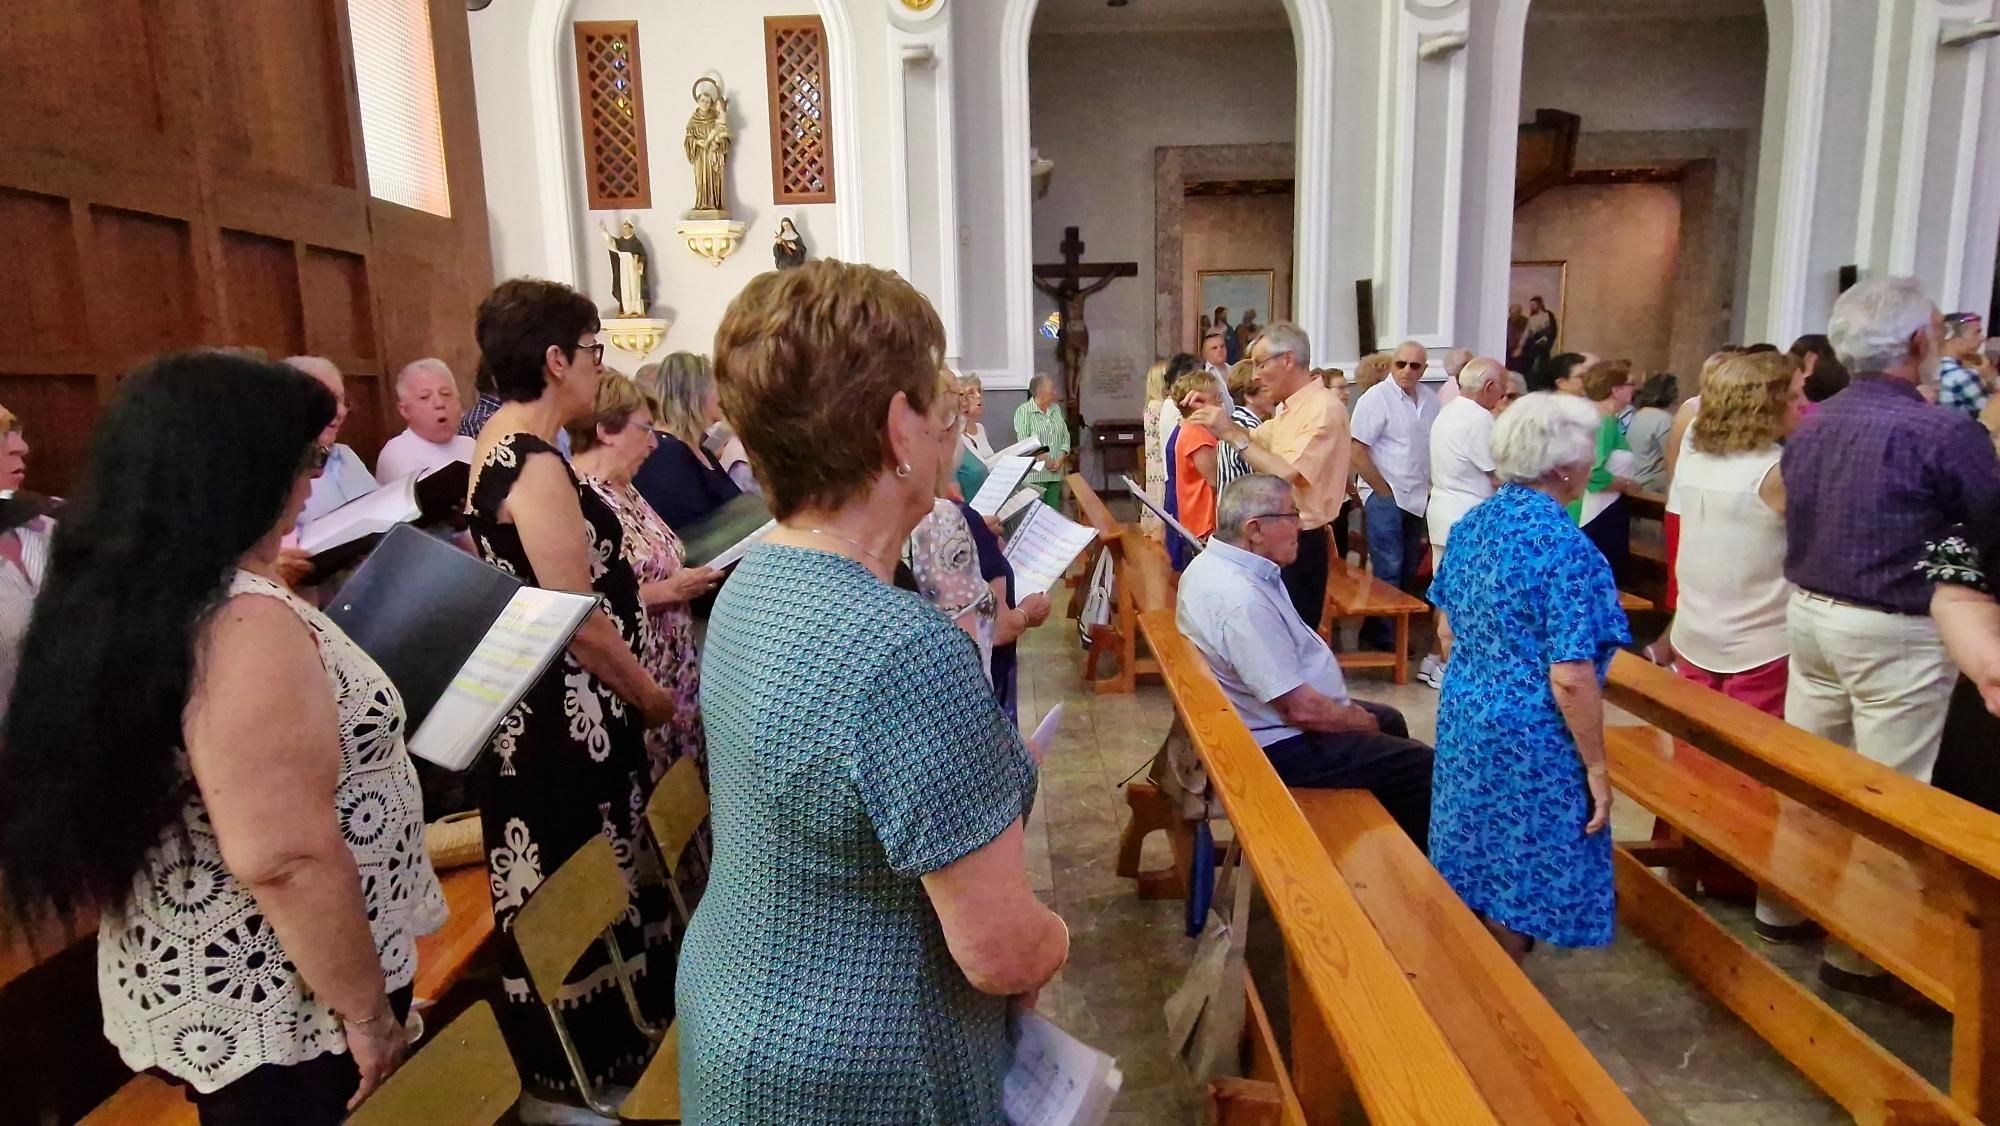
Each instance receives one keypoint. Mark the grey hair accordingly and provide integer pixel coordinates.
(319, 367)
(1517, 384)
(1455, 361)
(968, 381)
(1246, 498)
(428, 363)
(1872, 323)
(1284, 336)
(1038, 381)
(1476, 372)
(1542, 432)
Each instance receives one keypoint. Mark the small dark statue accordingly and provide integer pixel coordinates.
(789, 249)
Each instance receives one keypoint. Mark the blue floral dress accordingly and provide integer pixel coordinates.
(1523, 589)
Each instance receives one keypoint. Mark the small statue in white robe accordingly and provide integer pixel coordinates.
(628, 269)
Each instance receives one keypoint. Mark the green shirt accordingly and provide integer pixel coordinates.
(1048, 427)
(1610, 439)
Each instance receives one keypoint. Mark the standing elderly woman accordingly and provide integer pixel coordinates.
(680, 479)
(970, 473)
(1041, 418)
(610, 444)
(25, 528)
(1602, 511)
(569, 763)
(210, 764)
(869, 914)
(941, 551)
(1521, 802)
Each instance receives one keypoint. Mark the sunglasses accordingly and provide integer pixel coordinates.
(1401, 365)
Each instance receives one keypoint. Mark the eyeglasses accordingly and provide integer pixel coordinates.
(1293, 514)
(1401, 365)
(316, 458)
(596, 351)
(1260, 365)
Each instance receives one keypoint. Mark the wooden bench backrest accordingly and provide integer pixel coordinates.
(1863, 795)
(1402, 1067)
(1144, 565)
(1356, 591)
(1092, 507)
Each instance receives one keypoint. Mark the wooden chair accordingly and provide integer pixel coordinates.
(463, 1077)
(573, 908)
(1354, 593)
(1904, 873)
(676, 812)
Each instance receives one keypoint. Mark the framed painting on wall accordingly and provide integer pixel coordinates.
(1237, 291)
(1535, 309)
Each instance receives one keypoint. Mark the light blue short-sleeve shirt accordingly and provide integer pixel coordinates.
(1233, 606)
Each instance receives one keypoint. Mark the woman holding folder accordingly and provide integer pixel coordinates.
(569, 763)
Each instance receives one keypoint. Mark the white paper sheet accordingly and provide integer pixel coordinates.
(523, 641)
(1024, 446)
(1045, 733)
(1193, 540)
(737, 550)
(392, 504)
(1056, 1079)
(1043, 547)
(1017, 502)
(1001, 481)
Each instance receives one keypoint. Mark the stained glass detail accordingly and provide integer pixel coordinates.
(613, 109)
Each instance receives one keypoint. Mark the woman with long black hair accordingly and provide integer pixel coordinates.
(210, 766)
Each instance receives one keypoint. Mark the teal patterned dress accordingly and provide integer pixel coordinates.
(854, 746)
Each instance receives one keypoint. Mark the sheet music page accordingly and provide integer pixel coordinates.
(741, 547)
(1043, 547)
(522, 642)
(1056, 1079)
(1016, 503)
(1001, 482)
(1193, 540)
(1024, 446)
(392, 504)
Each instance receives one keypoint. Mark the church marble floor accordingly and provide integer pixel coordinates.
(1683, 1059)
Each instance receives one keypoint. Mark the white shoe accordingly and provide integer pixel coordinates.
(1431, 672)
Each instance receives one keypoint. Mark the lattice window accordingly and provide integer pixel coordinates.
(614, 115)
(801, 115)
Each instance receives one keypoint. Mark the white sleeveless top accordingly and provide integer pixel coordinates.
(1731, 565)
(190, 973)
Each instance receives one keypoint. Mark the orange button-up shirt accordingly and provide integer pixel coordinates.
(1310, 431)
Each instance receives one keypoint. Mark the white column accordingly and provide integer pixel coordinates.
(1421, 164)
(923, 164)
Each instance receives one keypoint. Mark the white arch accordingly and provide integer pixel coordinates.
(1787, 168)
(549, 52)
(1312, 33)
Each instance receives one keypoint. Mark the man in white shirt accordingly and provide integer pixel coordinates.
(345, 478)
(1392, 453)
(1279, 675)
(427, 398)
(1215, 353)
(1461, 467)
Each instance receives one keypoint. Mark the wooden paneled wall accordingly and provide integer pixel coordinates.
(186, 172)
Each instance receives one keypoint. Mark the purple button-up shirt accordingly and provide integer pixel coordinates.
(1872, 475)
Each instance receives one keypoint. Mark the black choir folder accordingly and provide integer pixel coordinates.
(462, 641)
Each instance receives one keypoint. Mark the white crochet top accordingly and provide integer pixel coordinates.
(190, 973)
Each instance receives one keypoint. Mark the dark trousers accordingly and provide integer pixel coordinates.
(1395, 549)
(1389, 764)
(313, 1093)
(1612, 533)
(1305, 577)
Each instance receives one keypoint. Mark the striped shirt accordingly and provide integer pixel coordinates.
(1231, 465)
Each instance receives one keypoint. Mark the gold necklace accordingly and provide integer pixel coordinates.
(856, 545)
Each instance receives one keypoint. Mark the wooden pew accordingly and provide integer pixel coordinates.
(1906, 874)
(1646, 567)
(442, 959)
(1362, 1027)
(1119, 639)
(1352, 592)
(1522, 1054)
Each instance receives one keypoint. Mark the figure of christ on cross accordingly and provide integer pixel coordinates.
(1070, 282)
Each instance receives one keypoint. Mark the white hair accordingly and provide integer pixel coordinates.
(319, 367)
(1284, 336)
(1473, 376)
(1038, 381)
(1542, 432)
(1455, 361)
(410, 370)
(1246, 498)
(1872, 323)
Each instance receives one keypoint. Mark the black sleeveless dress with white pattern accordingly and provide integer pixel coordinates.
(569, 764)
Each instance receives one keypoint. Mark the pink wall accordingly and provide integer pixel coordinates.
(1237, 233)
(1621, 242)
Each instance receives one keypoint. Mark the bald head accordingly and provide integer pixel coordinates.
(1408, 364)
(324, 370)
(1484, 381)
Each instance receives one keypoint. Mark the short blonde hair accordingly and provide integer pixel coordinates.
(1156, 382)
(809, 360)
(618, 399)
(1746, 403)
(1242, 380)
(676, 390)
(1373, 369)
(1200, 379)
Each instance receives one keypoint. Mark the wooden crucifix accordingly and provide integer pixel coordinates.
(1070, 282)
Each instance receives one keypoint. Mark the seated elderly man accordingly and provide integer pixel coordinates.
(427, 398)
(1282, 679)
(345, 476)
